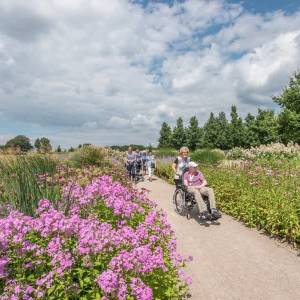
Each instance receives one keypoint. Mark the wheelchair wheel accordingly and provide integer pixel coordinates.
(179, 199)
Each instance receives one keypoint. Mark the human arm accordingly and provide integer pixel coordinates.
(174, 165)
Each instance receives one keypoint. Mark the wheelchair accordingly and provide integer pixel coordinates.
(184, 200)
(135, 171)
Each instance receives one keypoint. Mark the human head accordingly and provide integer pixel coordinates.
(137, 150)
(129, 149)
(192, 166)
(184, 151)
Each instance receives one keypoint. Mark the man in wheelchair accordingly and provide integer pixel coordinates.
(197, 185)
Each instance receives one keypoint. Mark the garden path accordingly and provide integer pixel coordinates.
(231, 261)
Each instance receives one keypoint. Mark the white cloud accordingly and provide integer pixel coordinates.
(104, 70)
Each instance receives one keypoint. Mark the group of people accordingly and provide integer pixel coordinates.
(140, 163)
(186, 170)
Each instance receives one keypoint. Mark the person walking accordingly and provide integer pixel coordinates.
(180, 164)
(151, 164)
(130, 160)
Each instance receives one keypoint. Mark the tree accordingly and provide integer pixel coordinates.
(289, 118)
(37, 144)
(251, 136)
(165, 136)
(193, 133)
(210, 132)
(58, 149)
(236, 129)
(21, 141)
(266, 127)
(45, 145)
(178, 135)
(221, 125)
(71, 149)
(290, 96)
(289, 126)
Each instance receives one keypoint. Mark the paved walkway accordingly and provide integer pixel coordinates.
(231, 261)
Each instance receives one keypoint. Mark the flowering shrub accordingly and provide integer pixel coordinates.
(271, 151)
(262, 195)
(112, 244)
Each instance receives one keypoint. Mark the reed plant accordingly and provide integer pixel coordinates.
(24, 180)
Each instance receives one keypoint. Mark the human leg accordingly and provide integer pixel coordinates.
(198, 197)
(150, 171)
(209, 192)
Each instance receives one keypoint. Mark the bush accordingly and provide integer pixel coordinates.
(207, 156)
(89, 155)
(275, 151)
(165, 171)
(112, 245)
(265, 196)
(165, 152)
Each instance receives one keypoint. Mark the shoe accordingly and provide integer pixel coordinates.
(205, 216)
(215, 214)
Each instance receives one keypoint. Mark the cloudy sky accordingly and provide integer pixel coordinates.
(110, 71)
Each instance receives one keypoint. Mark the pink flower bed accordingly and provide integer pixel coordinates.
(112, 244)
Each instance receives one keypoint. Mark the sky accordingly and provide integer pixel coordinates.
(111, 71)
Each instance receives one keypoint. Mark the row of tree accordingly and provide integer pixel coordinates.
(22, 143)
(218, 132)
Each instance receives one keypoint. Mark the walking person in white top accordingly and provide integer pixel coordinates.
(150, 164)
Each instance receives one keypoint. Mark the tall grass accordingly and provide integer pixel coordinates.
(24, 181)
(165, 152)
(207, 156)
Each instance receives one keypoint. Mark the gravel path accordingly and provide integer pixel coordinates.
(231, 261)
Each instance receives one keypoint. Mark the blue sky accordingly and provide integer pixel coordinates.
(111, 71)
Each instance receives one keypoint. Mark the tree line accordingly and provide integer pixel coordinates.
(219, 132)
(22, 143)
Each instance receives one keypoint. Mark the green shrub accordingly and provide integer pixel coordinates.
(263, 195)
(89, 156)
(165, 171)
(166, 152)
(207, 156)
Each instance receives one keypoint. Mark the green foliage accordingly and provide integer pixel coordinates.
(21, 141)
(165, 136)
(45, 145)
(289, 126)
(165, 152)
(164, 171)
(290, 96)
(236, 129)
(265, 194)
(178, 135)
(289, 118)
(210, 131)
(266, 127)
(20, 184)
(58, 149)
(262, 196)
(37, 144)
(89, 155)
(207, 156)
(193, 133)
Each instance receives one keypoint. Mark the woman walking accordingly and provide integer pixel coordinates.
(150, 164)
